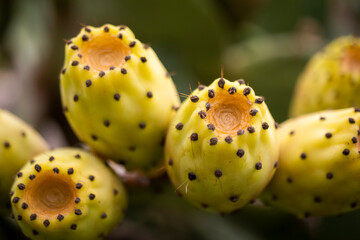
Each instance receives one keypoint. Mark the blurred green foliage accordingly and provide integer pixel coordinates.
(265, 42)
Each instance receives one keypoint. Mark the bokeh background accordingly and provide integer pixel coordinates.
(265, 42)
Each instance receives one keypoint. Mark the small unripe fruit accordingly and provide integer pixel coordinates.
(331, 79)
(67, 194)
(19, 142)
(118, 97)
(319, 164)
(219, 154)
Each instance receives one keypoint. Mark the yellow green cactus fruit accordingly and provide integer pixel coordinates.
(221, 148)
(319, 165)
(117, 96)
(331, 79)
(19, 143)
(67, 194)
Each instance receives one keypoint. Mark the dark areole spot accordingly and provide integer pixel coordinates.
(76, 98)
(194, 98)
(228, 139)
(265, 125)
(351, 120)
(170, 162)
(106, 123)
(211, 93)
(91, 196)
(246, 91)
(258, 166)
(179, 126)
(211, 127)
(259, 100)
(88, 83)
(21, 186)
(329, 175)
(149, 94)
(346, 152)
(232, 90)
(251, 129)
(253, 112)
(60, 217)
(117, 96)
(37, 167)
(234, 198)
(240, 153)
(240, 132)
(194, 137)
(221, 83)
(218, 173)
(101, 73)
(213, 141)
(241, 81)
(202, 114)
(191, 176)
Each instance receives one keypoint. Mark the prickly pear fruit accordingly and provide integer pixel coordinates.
(117, 96)
(67, 194)
(221, 147)
(331, 79)
(19, 142)
(319, 164)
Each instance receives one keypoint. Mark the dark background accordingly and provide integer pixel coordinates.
(265, 42)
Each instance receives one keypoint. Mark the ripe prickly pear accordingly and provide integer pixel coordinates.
(221, 147)
(67, 194)
(319, 164)
(19, 142)
(117, 96)
(331, 79)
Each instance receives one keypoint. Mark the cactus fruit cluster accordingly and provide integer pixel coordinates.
(67, 194)
(19, 142)
(221, 147)
(117, 96)
(331, 79)
(319, 165)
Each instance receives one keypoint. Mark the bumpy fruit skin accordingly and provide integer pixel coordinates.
(331, 79)
(221, 147)
(19, 143)
(93, 198)
(319, 165)
(122, 112)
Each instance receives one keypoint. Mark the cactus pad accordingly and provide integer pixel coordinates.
(221, 148)
(67, 194)
(319, 164)
(331, 79)
(117, 96)
(19, 143)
